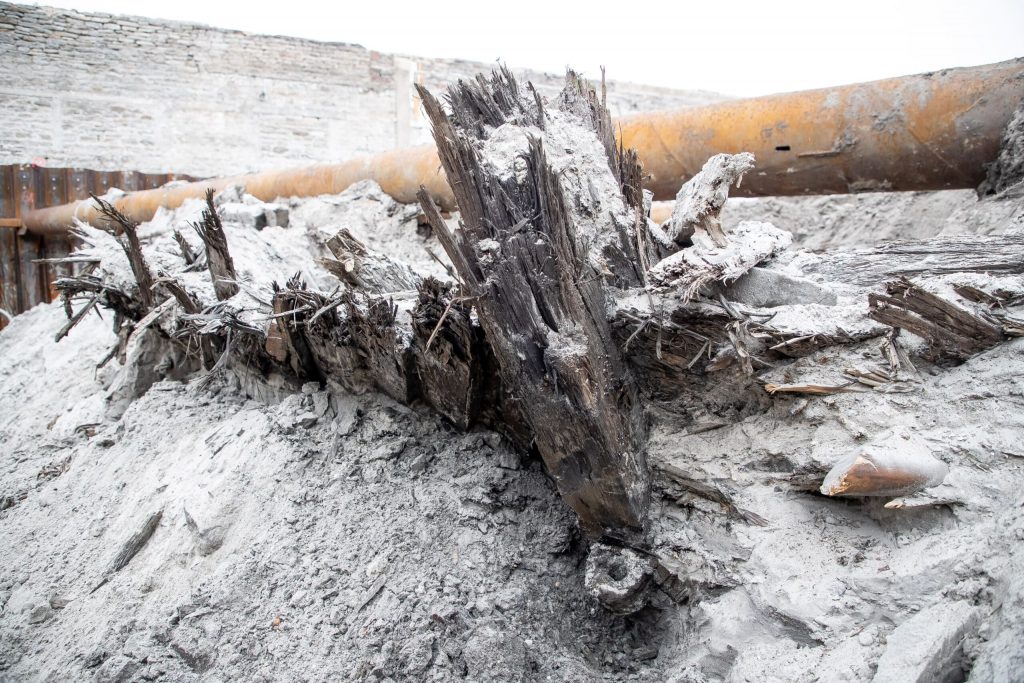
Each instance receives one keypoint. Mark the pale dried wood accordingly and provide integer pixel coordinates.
(872, 266)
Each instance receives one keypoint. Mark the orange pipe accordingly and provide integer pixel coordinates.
(398, 172)
(927, 132)
(933, 131)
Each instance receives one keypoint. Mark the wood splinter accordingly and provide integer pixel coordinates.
(218, 258)
(951, 331)
(132, 249)
(132, 547)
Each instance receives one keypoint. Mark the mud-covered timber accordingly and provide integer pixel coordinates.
(930, 131)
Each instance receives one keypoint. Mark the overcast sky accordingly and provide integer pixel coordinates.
(737, 47)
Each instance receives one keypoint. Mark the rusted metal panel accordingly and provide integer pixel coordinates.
(34, 287)
(151, 181)
(8, 246)
(79, 183)
(55, 246)
(103, 181)
(54, 191)
(54, 186)
(32, 280)
(24, 188)
(129, 181)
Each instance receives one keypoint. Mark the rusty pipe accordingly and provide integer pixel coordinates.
(398, 172)
(932, 131)
(926, 132)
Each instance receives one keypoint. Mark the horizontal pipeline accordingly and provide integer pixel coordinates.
(931, 131)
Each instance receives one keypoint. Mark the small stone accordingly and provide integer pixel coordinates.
(40, 614)
(646, 653)
(618, 578)
(277, 215)
(306, 419)
(321, 403)
(117, 668)
(58, 601)
(495, 655)
(249, 215)
(419, 463)
(417, 654)
(483, 606)
(866, 638)
(929, 646)
(508, 459)
(95, 658)
(22, 599)
(310, 388)
(766, 288)
(386, 450)
(377, 565)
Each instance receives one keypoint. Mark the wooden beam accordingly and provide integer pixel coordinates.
(527, 255)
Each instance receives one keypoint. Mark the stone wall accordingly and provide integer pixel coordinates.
(114, 92)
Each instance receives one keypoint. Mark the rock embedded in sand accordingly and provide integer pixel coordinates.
(618, 578)
(929, 645)
(895, 465)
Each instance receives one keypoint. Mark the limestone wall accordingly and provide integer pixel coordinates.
(114, 92)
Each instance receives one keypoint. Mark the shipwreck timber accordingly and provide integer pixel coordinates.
(572, 312)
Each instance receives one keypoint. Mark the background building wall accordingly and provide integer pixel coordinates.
(115, 93)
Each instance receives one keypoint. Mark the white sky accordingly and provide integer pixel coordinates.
(737, 47)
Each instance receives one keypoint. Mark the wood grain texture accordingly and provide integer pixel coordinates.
(541, 298)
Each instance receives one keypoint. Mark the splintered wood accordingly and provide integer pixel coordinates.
(218, 257)
(132, 249)
(570, 311)
(131, 547)
(541, 295)
(951, 331)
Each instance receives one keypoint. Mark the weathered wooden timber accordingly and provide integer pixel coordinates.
(571, 312)
(538, 275)
(218, 257)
